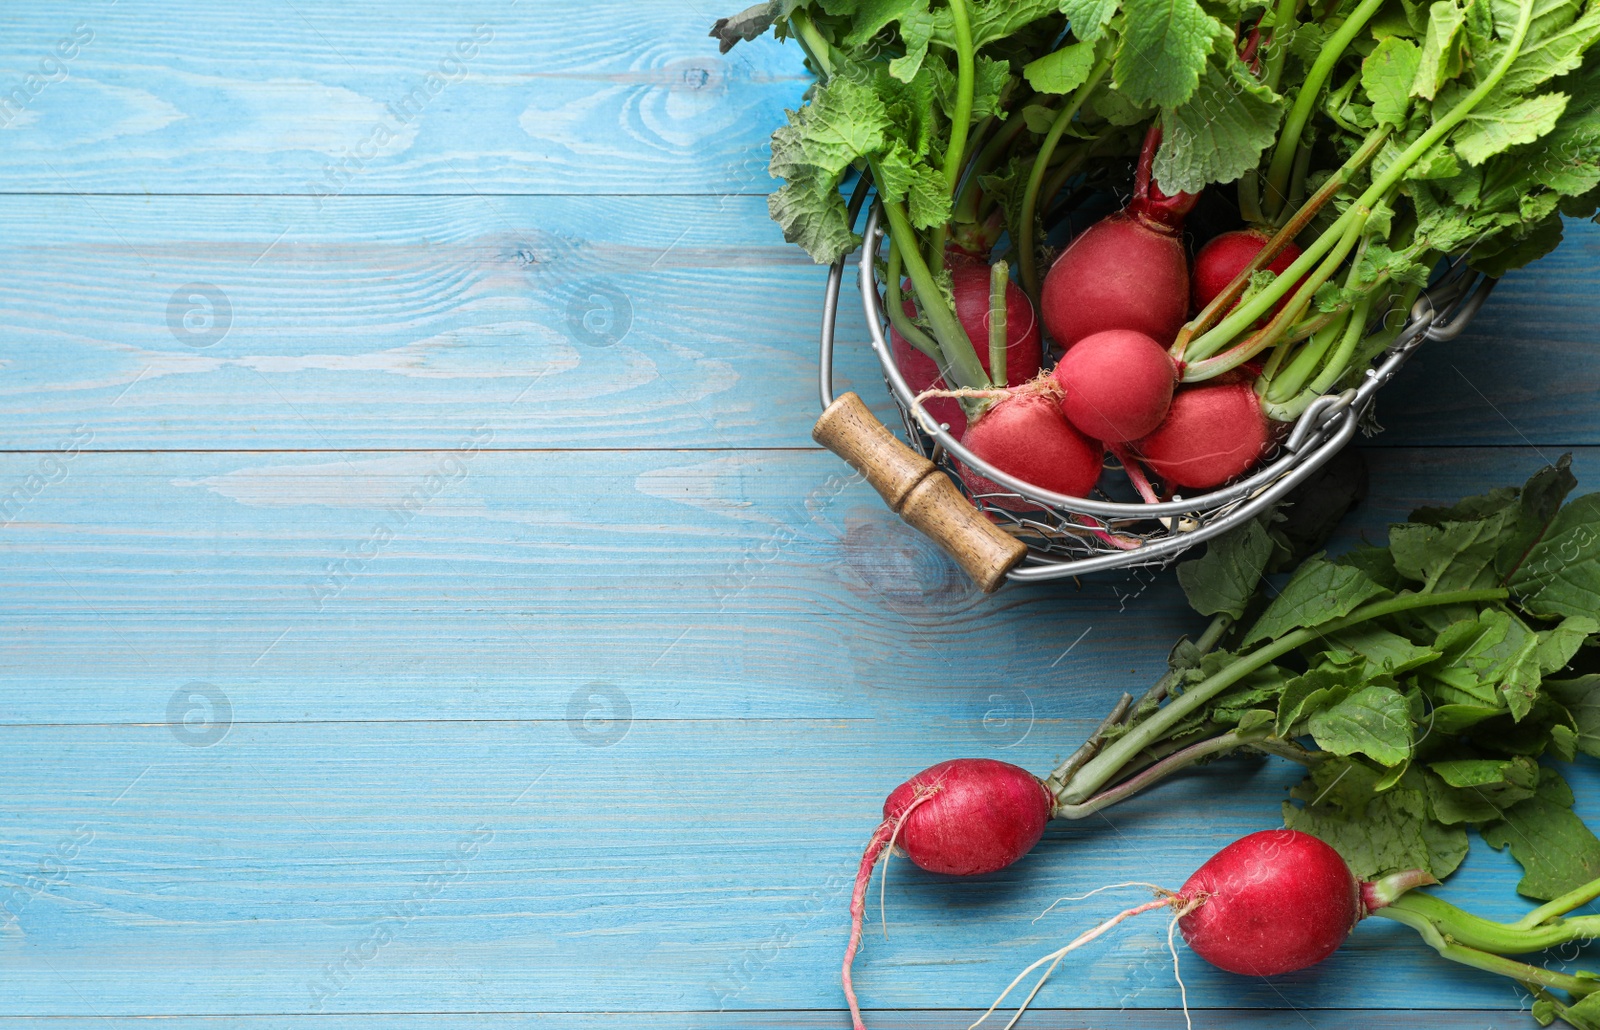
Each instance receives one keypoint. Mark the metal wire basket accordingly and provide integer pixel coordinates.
(1060, 536)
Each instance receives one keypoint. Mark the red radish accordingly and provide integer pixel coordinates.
(1212, 433)
(1126, 271)
(1116, 385)
(1026, 435)
(1024, 351)
(1269, 903)
(1225, 256)
(964, 817)
(1275, 902)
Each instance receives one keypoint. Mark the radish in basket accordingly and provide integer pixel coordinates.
(1342, 154)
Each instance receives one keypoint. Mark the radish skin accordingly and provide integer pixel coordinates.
(1123, 272)
(1117, 385)
(964, 817)
(1275, 901)
(1127, 271)
(1026, 435)
(1212, 433)
(1226, 255)
(1024, 347)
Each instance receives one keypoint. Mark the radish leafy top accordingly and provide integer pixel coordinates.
(1420, 683)
(1380, 134)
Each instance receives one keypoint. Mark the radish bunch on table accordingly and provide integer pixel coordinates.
(1392, 675)
(1279, 901)
(1277, 180)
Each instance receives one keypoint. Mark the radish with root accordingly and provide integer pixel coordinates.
(971, 817)
(1026, 435)
(965, 817)
(1280, 900)
(1127, 271)
(1116, 385)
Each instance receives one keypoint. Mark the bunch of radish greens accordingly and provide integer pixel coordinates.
(1428, 686)
(1345, 146)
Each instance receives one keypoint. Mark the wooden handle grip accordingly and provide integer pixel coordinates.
(918, 492)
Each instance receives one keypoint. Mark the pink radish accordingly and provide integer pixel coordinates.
(1024, 351)
(1026, 435)
(1225, 256)
(1267, 904)
(1283, 900)
(1116, 385)
(964, 817)
(1212, 433)
(1127, 271)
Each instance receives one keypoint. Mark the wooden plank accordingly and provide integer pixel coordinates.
(690, 866)
(1525, 372)
(175, 96)
(557, 322)
(878, 1019)
(760, 585)
(226, 322)
(732, 584)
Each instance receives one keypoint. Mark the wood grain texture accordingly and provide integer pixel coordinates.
(377, 867)
(402, 322)
(881, 1019)
(470, 635)
(690, 818)
(457, 585)
(479, 96)
(409, 322)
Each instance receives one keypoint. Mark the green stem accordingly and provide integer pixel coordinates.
(1210, 367)
(1337, 366)
(1041, 164)
(1278, 52)
(1487, 935)
(1205, 334)
(1298, 177)
(1149, 777)
(1285, 385)
(1066, 170)
(903, 325)
(960, 122)
(1250, 198)
(1149, 772)
(1560, 906)
(1087, 750)
(1294, 125)
(999, 279)
(966, 204)
(816, 45)
(1100, 770)
(1334, 370)
(1127, 707)
(965, 208)
(960, 360)
(1283, 388)
(1520, 971)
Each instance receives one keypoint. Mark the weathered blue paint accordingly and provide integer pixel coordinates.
(419, 597)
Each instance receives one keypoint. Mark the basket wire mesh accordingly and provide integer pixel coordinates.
(1070, 536)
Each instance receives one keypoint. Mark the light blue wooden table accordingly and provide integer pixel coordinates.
(421, 604)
